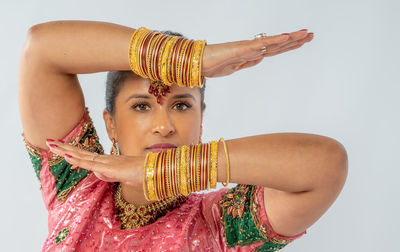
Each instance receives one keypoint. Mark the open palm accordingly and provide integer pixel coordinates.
(227, 58)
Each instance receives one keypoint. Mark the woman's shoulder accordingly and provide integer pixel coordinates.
(239, 216)
(54, 173)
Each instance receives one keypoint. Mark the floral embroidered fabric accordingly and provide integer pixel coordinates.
(82, 215)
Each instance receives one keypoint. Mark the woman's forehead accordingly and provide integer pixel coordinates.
(138, 88)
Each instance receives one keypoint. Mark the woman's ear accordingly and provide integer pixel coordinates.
(110, 124)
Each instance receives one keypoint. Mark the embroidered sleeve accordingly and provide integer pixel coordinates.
(52, 170)
(245, 221)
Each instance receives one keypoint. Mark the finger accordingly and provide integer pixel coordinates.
(269, 40)
(293, 45)
(62, 149)
(90, 165)
(282, 51)
(69, 146)
(291, 42)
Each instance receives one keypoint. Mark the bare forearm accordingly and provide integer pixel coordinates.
(291, 162)
(79, 47)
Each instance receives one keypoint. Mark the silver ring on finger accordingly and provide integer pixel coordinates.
(261, 35)
(264, 49)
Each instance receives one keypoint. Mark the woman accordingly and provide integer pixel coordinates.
(286, 181)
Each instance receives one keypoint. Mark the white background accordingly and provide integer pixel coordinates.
(344, 85)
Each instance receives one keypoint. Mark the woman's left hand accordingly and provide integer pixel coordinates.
(110, 168)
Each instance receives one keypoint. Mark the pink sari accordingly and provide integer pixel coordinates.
(81, 212)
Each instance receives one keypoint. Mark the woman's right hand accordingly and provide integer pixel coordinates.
(227, 58)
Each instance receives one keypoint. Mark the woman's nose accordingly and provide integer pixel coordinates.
(163, 124)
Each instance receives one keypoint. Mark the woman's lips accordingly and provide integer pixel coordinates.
(160, 149)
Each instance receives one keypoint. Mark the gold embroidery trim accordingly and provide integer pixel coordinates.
(254, 209)
(35, 151)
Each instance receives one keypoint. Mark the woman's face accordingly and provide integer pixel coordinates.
(141, 122)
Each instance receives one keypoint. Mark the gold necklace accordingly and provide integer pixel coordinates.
(132, 216)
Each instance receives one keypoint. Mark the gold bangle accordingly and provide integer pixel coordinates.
(144, 177)
(214, 163)
(150, 176)
(179, 68)
(198, 175)
(165, 59)
(227, 162)
(208, 165)
(167, 175)
(140, 52)
(133, 48)
(183, 150)
(149, 53)
(188, 170)
(178, 176)
(201, 81)
(198, 47)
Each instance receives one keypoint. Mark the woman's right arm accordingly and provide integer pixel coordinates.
(51, 100)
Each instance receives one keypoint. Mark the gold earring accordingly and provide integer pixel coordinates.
(114, 149)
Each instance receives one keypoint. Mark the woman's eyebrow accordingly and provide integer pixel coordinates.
(177, 96)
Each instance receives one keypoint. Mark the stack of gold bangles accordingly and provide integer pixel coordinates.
(170, 59)
(182, 170)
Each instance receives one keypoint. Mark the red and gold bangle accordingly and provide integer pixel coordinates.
(198, 174)
(157, 56)
(163, 169)
(178, 172)
(168, 174)
(149, 55)
(193, 174)
(186, 64)
(178, 59)
(140, 53)
(143, 54)
(174, 59)
(154, 56)
(180, 62)
(159, 185)
(203, 166)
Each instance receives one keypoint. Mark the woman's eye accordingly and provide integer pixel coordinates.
(139, 106)
(180, 104)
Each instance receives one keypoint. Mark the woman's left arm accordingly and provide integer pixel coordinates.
(302, 174)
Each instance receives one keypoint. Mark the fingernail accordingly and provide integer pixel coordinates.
(68, 155)
(49, 140)
(304, 30)
(54, 145)
(62, 141)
